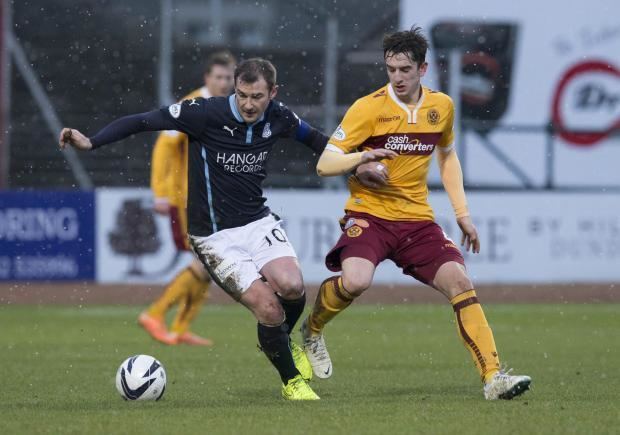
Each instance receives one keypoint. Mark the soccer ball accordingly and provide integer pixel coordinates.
(141, 377)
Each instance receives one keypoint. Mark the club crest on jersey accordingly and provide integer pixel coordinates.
(339, 134)
(267, 130)
(175, 110)
(354, 231)
(433, 117)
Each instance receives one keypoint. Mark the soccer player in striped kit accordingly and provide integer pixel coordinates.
(393, 219)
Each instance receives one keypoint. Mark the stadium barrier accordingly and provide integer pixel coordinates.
(112, 236)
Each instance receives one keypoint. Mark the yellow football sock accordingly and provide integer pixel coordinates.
(189, 307)
(476, 333)
(331, 299)
(175, 292)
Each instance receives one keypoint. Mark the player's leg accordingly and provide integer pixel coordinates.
(179, 289)
(284, 276)
(232, 268)
(473, 328)
(274, 339)
(190, 307)
(363, 244)
(338, 292)
(333, 297)
(276, 259)
(427, 254)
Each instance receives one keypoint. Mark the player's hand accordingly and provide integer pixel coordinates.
(72, 137)
(378, 154)
(469, 239)
(161, 206)
(373, 174)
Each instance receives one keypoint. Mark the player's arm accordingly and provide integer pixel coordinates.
(188, 117)
(116, 130)
(162, 169)
(340, 155)
(452, 180)
(334, 161)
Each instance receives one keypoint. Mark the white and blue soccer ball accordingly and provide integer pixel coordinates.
(141, 377)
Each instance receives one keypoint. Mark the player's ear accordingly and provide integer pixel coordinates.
(273, 92)
(423, 69)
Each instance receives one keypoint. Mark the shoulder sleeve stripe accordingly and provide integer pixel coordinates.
(302, 131)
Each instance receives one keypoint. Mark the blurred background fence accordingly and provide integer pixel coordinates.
(536, 86)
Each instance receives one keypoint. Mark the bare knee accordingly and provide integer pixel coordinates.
(290, 286)
(356, 284)
(452, 280)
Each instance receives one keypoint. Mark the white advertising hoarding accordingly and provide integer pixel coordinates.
(527, 64)
(526, 237)
(134, 245)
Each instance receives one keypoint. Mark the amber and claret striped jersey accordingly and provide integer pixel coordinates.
(381, 120)
(169, 162)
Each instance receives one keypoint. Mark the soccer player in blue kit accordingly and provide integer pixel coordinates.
(231, 230)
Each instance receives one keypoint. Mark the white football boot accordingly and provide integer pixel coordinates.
(316, 351)
(505, 386)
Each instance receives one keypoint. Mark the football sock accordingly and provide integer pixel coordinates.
(176, 290)
(331, 299)
(274, 342)
(476, 334)
(292, 309)
(190, 307)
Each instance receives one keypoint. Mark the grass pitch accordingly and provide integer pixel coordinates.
(397, 369)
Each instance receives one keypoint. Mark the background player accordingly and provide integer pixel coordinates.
(189, 288)
(234, 234)
(394, 220)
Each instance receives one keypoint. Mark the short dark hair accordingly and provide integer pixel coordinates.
(411, 42)
(251, 70)
(223, 58)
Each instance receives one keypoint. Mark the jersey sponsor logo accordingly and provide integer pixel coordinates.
(433, 117)
(402, 144)
(230, 130)
(339, 134)
(388, 118)
(405, 143)
(267, 130)
(175, 110)
(249, 163)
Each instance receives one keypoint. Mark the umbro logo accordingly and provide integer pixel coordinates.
(230, 130)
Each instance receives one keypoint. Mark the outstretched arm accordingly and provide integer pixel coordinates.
(116, 130)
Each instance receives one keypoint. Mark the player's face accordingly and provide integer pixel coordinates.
(253, 98)
(404, 75)
(219, 81)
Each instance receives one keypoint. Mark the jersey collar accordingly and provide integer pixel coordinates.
(412, 115)
(237, 115)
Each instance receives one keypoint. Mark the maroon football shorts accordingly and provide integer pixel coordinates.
(419, 248)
